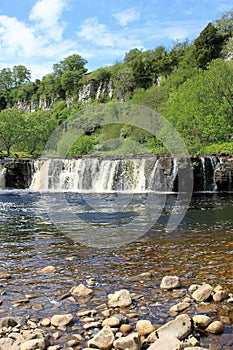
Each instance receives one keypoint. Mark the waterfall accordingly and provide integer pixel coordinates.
(209, 166)
(3, 171)
(98, 174)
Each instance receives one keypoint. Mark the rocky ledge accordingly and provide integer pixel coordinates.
(116, 323)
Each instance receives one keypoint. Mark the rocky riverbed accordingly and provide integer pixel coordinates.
(122, 319)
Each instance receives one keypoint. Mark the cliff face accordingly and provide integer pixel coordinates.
(223, 176)
(210, 173)
(91, 91)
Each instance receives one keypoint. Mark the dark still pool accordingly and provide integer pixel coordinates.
(97, 250)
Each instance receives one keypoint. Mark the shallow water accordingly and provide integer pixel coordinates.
(199, 250)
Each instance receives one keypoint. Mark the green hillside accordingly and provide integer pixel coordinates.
(191, 85)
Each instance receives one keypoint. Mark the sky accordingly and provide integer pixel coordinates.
(40, 33)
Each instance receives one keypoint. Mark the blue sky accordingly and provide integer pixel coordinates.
(39, 33)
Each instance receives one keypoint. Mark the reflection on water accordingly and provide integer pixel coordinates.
(200, 249)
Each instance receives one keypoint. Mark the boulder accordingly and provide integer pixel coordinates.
(121, 298)
(179, 307)
(201, 321)
(215, 327)
(81, 291)
(33, 344)
(130, 342)
(202, 293)
(220, 295)
(144, 327)
(62, 320)
(178, 328)
(170, 282)
(111, 322)
(103, 339)
(170, 343)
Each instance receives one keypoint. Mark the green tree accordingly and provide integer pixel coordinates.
(202, 109)
(70, 71)
(20, 75)
(38, 128)
(11, 129)
(208, 45)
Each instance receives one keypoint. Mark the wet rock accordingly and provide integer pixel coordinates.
(178, 328)
(170, 282)
(125, 328)
(45, 322)
(170, 343)
(103, 339)
(201, 321)
(215, 327)
(33, 344)
(179, 307)
(121, 298)
(202, 293)
(62, 320)
(6, 343)
(144, 327)
(48, 269)
(8, 322)
(91, 312)
(220, 295)
(5, 275)
(195, 348)
(193, 341)
(111, 322)
(91, 325)
(81, 291)
(193, 287)
(131, 342)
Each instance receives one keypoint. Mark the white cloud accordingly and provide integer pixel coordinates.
(47, 13)
(16, 38)
(40, 39)
(127, 16)
(99, 35)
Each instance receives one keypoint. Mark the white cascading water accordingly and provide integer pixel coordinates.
(3, 171)
(101, 175)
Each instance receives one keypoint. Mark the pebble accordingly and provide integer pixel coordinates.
(48, 269)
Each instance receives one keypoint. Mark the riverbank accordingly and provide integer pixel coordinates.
(122, 319)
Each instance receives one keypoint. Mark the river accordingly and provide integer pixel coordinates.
(199, 250)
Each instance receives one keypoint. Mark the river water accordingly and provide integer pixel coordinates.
(199, 250)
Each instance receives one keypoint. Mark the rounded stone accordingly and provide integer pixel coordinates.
(144, 327)
(111, 322)
(125, 328)
(201, 321)
(170, 282)
(215, 327)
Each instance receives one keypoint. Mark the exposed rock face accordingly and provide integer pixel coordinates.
(94, 91)
(223, 176)
(19, 172)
